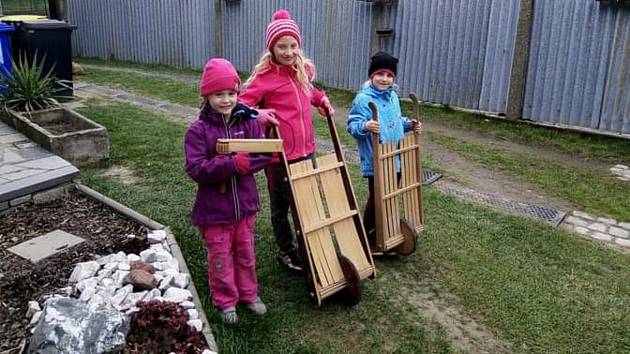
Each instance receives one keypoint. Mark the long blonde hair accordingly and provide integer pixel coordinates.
(303, 65)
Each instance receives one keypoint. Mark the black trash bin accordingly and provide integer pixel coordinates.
(50, 38)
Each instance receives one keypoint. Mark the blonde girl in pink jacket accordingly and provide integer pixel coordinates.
(281, 84)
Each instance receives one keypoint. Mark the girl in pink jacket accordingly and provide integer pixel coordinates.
(281, 83)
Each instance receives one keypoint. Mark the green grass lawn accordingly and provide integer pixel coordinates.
(597, 192)
(538, 288)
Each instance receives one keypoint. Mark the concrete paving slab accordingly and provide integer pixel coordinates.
(46, 163)
(36, 183)
(45, 246)
(11, 138)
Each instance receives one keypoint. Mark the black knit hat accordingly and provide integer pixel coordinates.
(382, 61)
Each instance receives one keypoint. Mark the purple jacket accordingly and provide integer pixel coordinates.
(211, 170)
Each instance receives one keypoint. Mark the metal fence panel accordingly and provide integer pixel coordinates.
(171, 32)
(455, 52)
(578, 72)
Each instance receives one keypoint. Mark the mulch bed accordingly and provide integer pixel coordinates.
(103, 229)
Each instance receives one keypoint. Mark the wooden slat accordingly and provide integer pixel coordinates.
(345, 230)
(312, 210)
(394, 152)
(316, 171)
(331, 221)
(226, 146)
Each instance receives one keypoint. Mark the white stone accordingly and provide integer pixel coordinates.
(98, 299)
(130, 236)
(158, 278)
(208, 351)
(583, 215)
(158, 298)
(119, 257)
(132, 299)
(152, 295)
(35, 318)
(132, 310)
(124, 266)
(170, 265)
(157, 247)
(187, 305)
(621, 167)
(33, 307)
(181, 280)
(625, 179)
(166, 245)
(119, 277)
(87, 294)
(104, 260)
(105, 273)
(111, 266)
(132, 257)
(619, 232)
(84, 270)
(87, 283)
(581, 230)
(608, 221)
(168, 272)
(166, 282)
(107, 282)
(66, 291)
(163, 256)
(177, 295)
(196, 324)
(148, 256)
(193, 314)
(625, 225)
(121, 294)
(156, 236)
(598, 227)
(622, 242)
(576, 221)
(601, 236)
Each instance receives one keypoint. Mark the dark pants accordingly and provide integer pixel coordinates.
(369, 214)
(280, 201)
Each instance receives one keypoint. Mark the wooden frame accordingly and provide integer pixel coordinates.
(226, 146)
(398, 199)
(328, 226)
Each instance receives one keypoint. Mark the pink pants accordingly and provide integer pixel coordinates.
(231, 262)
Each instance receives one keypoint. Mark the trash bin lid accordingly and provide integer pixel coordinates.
(45, 24)
(21, 18)
(6, 28)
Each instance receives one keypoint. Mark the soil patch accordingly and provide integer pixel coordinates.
(120, 173)
(438, 308)
(104, 230)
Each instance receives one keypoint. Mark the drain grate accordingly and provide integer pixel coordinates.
(552, 216)
(429, 177)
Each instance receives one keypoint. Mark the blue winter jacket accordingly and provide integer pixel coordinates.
(388, 105)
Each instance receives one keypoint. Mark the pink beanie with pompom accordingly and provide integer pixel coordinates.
(281, 25)
(218, 75)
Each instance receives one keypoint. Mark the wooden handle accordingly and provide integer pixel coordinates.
(374, 110)
(416, 106)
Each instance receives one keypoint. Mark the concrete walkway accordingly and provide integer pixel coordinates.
(26, 168)
(614, 232)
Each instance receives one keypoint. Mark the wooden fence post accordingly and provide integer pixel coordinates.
(518, 77)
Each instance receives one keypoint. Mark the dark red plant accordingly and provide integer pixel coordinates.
(160, 327)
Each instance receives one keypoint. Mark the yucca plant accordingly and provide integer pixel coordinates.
(28, 88)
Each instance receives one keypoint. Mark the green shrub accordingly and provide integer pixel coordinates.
(29, 88)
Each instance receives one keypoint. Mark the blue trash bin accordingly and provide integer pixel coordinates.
(5, 54)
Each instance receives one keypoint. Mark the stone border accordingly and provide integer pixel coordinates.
(175, 250)
(606, 230)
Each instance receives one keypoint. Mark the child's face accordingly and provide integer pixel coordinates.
(382, 80)
(223, 101)
(286, 50)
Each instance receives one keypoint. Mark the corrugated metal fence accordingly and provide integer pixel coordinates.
(451, 52)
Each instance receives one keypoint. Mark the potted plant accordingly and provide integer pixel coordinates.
(31, 106)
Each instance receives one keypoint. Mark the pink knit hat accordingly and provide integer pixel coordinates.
(281, 25)
(218, 74)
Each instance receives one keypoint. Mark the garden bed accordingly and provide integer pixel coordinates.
(105, 231)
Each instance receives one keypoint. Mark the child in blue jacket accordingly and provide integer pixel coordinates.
(391, 126)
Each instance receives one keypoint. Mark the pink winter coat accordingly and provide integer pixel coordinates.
(278, 88)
